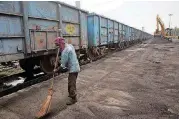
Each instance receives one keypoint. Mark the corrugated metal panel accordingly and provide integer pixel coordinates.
(96, 29)
(43, 24)
(41, 39)
(11, 31)
(10, 46)
(103, 22)
(125, 32)
(70, 15)
(111, 32)
(10, 7)
(115, 25)
(10, 26)
(84, 40)
(121, 32)
(103, 40)
(51, 36)
(47, 10)
(73, 40)
(71, 29)
(74, 26)
(120, 26)
(115, 39)
(38, 41)
(135, 34)
(91, 31)
(104, 31)
(130, 33)
(110, 24)
(116, 32)
(104, 35)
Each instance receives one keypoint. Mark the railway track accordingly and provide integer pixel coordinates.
(13, 83)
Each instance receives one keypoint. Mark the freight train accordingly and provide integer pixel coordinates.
(28, 30)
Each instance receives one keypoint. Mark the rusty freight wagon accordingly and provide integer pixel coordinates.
(28, 30)
(103, 33)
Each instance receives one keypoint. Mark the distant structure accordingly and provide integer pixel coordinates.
(170, 20)
(77, 3)
(143, 29)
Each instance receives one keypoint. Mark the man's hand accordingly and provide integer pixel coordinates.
(56, 70)
(63, 70)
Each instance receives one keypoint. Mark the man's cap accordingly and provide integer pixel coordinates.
(59, 40)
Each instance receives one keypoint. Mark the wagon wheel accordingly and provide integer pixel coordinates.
(119, 46)
(90, 55)
(103, 51)
(47, 63)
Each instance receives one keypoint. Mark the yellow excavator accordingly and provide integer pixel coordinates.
(163, 33)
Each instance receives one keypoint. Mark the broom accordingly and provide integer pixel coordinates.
(46, 104)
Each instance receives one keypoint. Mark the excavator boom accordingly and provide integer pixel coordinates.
(162, 33)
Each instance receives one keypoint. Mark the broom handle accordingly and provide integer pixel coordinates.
(56, 61)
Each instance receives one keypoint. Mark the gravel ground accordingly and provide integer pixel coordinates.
(141, 82)
(7, 71)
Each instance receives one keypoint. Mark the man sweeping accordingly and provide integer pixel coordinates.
(69, 62)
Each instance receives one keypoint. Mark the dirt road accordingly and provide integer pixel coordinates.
(141, 82)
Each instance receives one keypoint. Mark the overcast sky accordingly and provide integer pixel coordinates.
(134, 13)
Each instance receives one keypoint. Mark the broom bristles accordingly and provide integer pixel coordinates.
(46, 105)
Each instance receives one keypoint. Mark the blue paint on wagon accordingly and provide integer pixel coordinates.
(30, 27)
(43, 9)
(102, 30)
(10, 7)
(33, 25)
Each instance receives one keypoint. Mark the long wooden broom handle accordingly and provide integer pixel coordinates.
(56, 61)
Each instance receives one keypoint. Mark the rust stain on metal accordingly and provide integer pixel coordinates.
(51, 38)
(40, 40)
(49, 28)
(69, 41)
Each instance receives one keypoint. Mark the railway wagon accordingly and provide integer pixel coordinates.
(121, 35)
(131, 35)
(132, 40)
(28, 30)
(148, 36)
(102, 30)
(140, 35)
(144, 36)
(135, 35)
(128, 35)
(104, 33)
